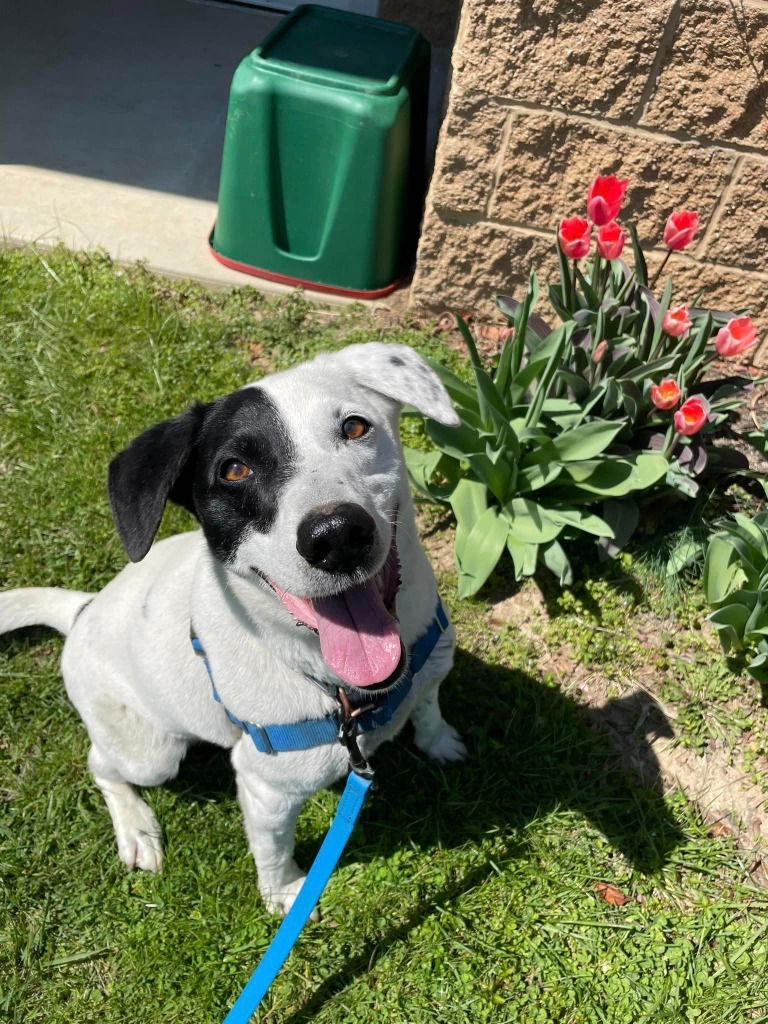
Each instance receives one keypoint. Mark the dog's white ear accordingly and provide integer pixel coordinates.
(398, 372)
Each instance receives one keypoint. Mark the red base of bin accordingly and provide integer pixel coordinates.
(296, 282)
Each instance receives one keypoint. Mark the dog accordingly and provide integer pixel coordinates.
(306, 582)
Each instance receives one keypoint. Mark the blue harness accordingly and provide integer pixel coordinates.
(369, 713)
(353, 716)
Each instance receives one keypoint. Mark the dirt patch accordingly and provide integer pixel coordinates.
(627, 707)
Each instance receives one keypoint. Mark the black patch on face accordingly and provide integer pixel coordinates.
(181, 459)
(397, 360)
(245, 427)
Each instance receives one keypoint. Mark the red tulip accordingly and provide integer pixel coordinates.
(675, 321)
(692, 415)
(610, 240)
(737, 336)
(665, 395)
(604, 198)
(574, 237)
(680, 229)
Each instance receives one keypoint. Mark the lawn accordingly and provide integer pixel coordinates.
(468, 893)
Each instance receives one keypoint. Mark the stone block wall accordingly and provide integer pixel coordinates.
(547, 93)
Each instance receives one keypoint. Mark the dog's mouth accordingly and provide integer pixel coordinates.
(358, 629)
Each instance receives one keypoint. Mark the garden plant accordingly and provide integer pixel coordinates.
(736, 587)
(569, 429)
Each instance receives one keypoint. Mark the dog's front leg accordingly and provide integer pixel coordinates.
(432, 733)
(270, 819)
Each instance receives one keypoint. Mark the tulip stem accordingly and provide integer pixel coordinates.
(663, 264)
(573, 288)
(597, 268)
(669, 441)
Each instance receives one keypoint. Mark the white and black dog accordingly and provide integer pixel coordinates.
(306, 576)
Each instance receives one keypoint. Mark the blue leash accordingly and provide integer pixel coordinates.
(344, 725)
(350, 805)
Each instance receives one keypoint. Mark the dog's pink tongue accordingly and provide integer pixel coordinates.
(359, 639)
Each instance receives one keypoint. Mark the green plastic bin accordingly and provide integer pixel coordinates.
(322, 176)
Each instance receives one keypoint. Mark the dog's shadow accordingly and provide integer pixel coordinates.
(532, 751)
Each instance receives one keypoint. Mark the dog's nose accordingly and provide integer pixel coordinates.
(336, 538)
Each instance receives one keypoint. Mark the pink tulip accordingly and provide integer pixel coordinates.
(665, 395)
(604, 198)
(675, 321)
(680, 229)
(610, 240)
(736, 337)
(574, 237)
(600, 350)
(692, 415)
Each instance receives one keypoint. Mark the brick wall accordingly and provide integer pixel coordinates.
(546, 93)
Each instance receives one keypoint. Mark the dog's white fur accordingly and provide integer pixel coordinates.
(143, 694)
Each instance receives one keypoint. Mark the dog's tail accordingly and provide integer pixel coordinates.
(41, 606)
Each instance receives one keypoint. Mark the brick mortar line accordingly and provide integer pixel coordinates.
(498, 167)
(673, 20)
(720, 204)
(518, 228)
(522, 107)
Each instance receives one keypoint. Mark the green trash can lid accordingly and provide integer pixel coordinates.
(338, 48)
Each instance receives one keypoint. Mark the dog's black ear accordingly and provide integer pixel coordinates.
(153, 468)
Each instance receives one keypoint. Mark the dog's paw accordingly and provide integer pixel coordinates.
(444, 745)
(280, 902)
(139, 841)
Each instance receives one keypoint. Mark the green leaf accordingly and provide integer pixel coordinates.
(584, 521)
(722, 572)
(524, 556)
(685, 553)
(557, 562)
(468, 501)
(529, 523)
(421, 466)
(459, 442)
(641, 270)
(481, 551)
(458, 389)
(622, 517)
(729, 623)
(563, 336)
(495, 475)
(649, 469)
(577, 444)
(533, 477)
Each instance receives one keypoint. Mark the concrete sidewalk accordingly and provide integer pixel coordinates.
(113, 124)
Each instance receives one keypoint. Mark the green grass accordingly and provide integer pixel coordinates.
(467, 893)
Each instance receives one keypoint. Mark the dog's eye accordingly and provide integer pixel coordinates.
(234, 470)
(355, 427)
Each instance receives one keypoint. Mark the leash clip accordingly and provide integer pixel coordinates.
(348, 736)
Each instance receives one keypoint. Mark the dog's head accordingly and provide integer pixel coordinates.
(296, 483)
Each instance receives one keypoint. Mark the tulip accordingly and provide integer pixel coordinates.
(665, 395)
(692, 415)
(680, 229)
(604, 198)
(737, 336)
(600, 350)
(675, 322)
(610, 240)
(574, 237)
